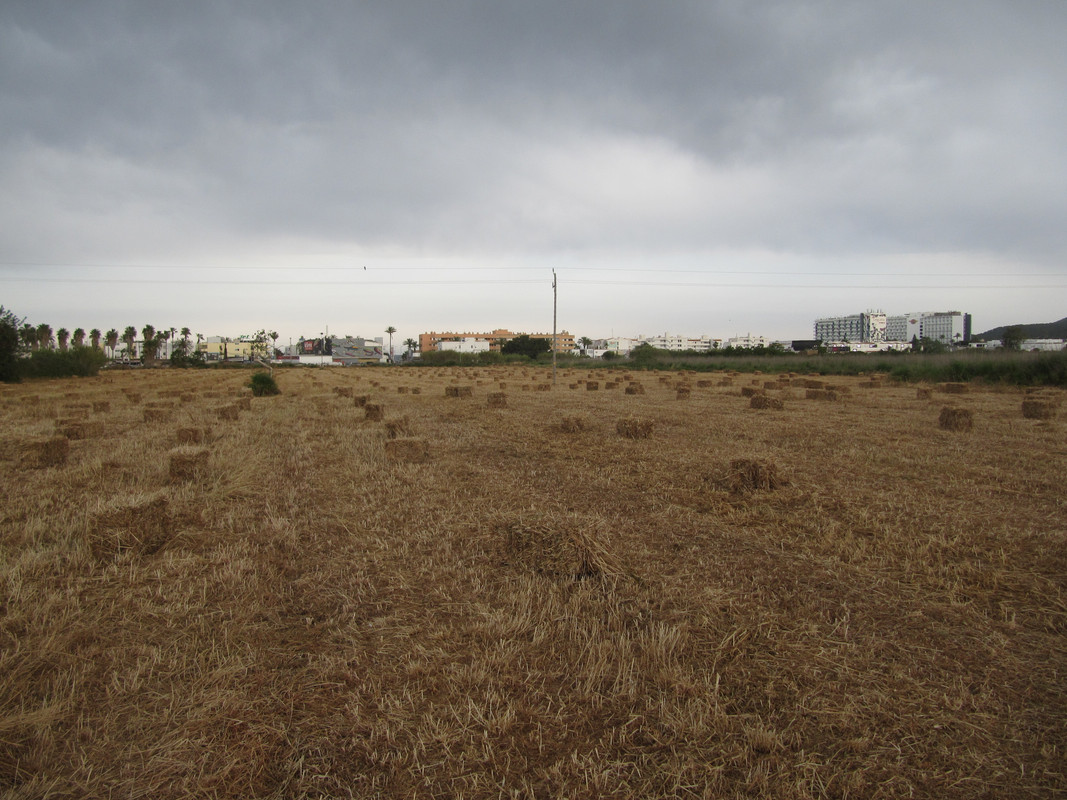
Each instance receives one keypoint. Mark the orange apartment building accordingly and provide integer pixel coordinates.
(428, 341)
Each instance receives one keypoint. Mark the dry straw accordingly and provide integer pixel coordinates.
(190, 435)
(407, 451)
(953, 388)
(953, 418)
(140, 525)
(398, 428)
(635, 428)
(459, 391)
(497, 400)
(374, 412)
(559, 545)
(1034, 408)
(43, 453)
(765, 402)
(749, 474)
(229, 413)
(573, 424)
(820, 394)
(156, 415)
(187, 463)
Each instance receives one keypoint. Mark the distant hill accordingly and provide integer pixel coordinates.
(1037, 330)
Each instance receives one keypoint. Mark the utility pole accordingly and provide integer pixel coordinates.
(553, 327)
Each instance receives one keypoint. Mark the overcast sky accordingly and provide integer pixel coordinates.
(710, 168)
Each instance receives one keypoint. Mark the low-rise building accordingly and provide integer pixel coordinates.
(429, 342)
(468, 345)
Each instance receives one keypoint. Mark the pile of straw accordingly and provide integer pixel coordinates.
(634, 428)
(953, 418)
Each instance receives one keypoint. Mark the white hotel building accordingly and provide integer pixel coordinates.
(947, 327)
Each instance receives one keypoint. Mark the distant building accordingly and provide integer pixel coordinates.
(468, 345)
(343, 351)
(865, 327)
(748, 341)
(947, 327)
(676, 342)
(429, 342)
(219, 348)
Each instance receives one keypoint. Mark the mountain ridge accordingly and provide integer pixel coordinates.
(1033, 330)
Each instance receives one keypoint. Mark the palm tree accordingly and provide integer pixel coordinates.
(44, 336)
(390, 330)
(79, 337)
(28, 334)
(586, 343)
(149, 334)
(411, 345)
(94, 338)
(129, 336)
(274, 343)
(112, 340)
(62, 336)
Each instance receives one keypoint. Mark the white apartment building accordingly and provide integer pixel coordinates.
(947, 327)
(676, 342)
(465, 345)
(866, 327)
(748, 341)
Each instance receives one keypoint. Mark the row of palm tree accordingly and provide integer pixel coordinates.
(42, 337)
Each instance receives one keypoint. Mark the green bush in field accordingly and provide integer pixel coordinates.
(263, 385)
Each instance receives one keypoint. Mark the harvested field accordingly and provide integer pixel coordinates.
(835, 600)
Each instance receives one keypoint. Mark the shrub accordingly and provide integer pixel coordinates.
(263, 385)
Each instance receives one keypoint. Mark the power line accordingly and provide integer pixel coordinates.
(498, 282)
(504, 268)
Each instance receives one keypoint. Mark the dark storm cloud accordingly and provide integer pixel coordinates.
(496, 127)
